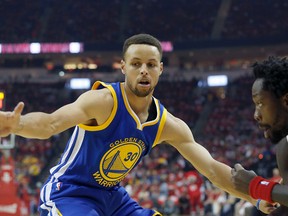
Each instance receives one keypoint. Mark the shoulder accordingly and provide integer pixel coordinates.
(282, 158)
(282, 147)
(97, 96)
(97, 104)
(175, 130)
(173, 122)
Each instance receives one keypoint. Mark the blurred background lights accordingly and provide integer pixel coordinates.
(35, 48)
(75, 47)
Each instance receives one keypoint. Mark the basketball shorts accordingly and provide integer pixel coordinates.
(114, 202)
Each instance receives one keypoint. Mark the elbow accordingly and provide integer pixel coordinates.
(47, 136)
(214, 178)
(48, 132)
(51, 132)
(41, 136)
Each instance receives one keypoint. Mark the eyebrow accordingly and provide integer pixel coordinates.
(151, 59)
(258, 97)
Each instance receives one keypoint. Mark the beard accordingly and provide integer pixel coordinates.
(277, 135)
(140, 93)
(280, 129)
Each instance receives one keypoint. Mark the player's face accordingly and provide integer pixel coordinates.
(142, 68)
(270, 113)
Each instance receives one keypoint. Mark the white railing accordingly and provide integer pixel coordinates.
(7, 142)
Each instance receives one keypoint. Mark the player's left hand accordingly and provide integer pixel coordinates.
(241, 178)
(266, 207)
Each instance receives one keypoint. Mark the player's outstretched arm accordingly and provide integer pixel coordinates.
(259, 188)
(178, 134)
(91, 105)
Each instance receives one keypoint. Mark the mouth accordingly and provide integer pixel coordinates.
(266, 130)
(144, 83)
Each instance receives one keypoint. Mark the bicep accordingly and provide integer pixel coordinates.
(90, 105)
(67, 117)
(179, 135)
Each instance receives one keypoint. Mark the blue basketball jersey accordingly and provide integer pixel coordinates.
(99, 157)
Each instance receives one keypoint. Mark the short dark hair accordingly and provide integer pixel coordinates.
(274, 72)
(142, 39)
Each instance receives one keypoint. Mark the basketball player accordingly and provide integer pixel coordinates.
(116, 125)
(270, 96)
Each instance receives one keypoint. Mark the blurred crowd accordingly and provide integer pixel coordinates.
(111, 21)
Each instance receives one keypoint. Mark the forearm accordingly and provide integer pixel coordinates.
(218, 173)
(280, 194)
(222, 179)
(35, 125)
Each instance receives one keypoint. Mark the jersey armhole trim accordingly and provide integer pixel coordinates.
(160, 129)
(113, 113)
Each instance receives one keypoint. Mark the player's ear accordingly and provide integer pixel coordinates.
(122, 66)
(161, 68)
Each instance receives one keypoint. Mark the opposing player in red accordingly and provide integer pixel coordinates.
(270, 96)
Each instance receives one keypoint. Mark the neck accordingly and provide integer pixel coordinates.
(138, 104)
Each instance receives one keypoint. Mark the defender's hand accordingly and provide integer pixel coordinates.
(241, 178)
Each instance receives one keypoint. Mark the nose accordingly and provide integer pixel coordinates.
(257, 116)
(144, 69)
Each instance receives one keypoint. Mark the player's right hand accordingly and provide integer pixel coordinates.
(10, 121)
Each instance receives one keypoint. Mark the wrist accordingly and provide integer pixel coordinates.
(258, 204)
(18, 128)
(260, 188)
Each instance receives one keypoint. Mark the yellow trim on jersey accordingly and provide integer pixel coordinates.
(58, 212)
(112, 115)
(134, 116)
(97, 84)
(157, 117)
(129, 109)
(157, 213)
(161, 126)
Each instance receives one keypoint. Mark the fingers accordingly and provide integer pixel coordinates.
(19, 108)
(238, 167)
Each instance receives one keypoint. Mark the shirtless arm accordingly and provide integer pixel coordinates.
(90, 105)
(178, 134)
(279, 194)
